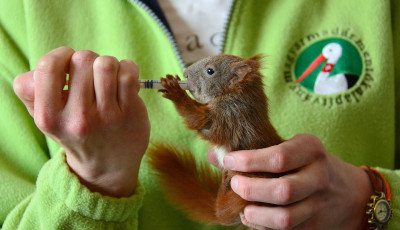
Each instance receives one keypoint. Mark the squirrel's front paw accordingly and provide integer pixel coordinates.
(172, 90)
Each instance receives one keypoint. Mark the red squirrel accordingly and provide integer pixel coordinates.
(230, 112)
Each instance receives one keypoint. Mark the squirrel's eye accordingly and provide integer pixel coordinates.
(210, 71)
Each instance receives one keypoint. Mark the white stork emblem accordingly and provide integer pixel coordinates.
(326, 84)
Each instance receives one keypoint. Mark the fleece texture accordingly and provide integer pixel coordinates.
(358, 125)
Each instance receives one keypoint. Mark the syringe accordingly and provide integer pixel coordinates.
(156, 84)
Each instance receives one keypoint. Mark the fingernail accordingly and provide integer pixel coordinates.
(243, 219)
(234, 183)
(229, 162)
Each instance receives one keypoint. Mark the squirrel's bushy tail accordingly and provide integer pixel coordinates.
(191, 187)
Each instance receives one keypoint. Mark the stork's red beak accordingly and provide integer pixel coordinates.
(311, 68)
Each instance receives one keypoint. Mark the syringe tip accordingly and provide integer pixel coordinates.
(156, 84)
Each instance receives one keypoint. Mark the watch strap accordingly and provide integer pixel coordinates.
(379, 184)
(378, 181)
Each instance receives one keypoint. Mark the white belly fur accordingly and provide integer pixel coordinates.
(220, 152)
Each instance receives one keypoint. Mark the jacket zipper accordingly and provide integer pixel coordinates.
(165, 30)
(226, 26)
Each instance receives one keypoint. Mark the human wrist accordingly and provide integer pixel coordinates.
(114, 180)
(361, 192)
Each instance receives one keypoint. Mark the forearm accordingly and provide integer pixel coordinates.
(61, 201)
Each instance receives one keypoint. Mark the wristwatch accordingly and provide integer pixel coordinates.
(379, 211)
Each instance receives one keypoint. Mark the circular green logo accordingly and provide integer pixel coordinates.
(328, 66)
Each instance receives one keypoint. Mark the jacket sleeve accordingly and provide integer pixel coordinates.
(61, 202)
(38, 191)
(396, 57)
(393, 176)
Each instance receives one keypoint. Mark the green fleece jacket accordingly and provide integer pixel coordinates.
(356, 123)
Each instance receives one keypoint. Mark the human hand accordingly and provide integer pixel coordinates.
(100, 121)
(317, 191)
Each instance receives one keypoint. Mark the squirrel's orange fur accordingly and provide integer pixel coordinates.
(230, 112)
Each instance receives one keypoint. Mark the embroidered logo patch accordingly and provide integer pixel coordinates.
(328, 68)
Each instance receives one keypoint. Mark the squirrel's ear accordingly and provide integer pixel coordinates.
(243, 67)
(255, 61)
(240, 69)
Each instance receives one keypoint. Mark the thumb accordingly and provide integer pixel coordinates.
(24, 88)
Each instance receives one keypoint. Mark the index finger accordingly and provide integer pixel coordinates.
(289, 155)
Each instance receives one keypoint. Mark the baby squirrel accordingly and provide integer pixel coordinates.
(231, 114)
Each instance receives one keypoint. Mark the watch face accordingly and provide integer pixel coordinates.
(382, 211)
